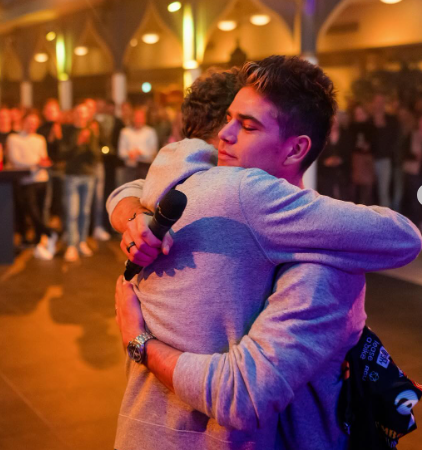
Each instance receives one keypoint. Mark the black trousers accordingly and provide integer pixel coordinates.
(31, 200)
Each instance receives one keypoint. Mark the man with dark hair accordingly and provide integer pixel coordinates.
(244, 357)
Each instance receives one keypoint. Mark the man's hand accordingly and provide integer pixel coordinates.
(147, 247)
(128, 312)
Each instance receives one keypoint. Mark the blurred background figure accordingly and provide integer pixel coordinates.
(28, 150)
(110, 127)
(127, 114)
(386, 136)
(138, 146)
(82, 155)
(334, 163)
(5, 130)
(412, 170)
(52, 132)
(158, 119)
(16, 116)
(98, 210)
(363, 169)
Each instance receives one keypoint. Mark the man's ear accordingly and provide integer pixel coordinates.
(299, 148)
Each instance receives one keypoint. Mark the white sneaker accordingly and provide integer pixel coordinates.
(40, 252)
(84, 249)
(51, 243)
(71, 254)
(100, 234)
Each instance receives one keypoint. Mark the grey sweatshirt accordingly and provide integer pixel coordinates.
(203, 298)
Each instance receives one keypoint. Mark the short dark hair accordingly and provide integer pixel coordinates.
(303, 95)
(205, 105)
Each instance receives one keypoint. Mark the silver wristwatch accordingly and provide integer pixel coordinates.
(136, 347)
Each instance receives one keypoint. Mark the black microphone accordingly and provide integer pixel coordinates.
(168, 212)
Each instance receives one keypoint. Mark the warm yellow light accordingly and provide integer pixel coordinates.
(260, 19)
(50, 36)
(81, 50)
(61, 58)
(192, 64)
(105, 150)
(391, 2)
(41, 57)
(174, 6)
(227, 25)
(133, 42)
(150, 38)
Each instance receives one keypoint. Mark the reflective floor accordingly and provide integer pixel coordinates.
(61, 366)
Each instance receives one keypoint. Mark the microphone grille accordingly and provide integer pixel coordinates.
(173, 204)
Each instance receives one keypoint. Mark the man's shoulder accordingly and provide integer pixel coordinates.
(250, 183)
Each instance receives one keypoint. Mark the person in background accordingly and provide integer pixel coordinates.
(158, 119)
(138, 146)
(177, 128)
(5, 131)
(99, 232)
(363, 171)
(28, 150)
(52, 131)
(334, 163)
(17, 116)
(82, 154)
(407, 123)
(412, 170)
(127, 114)
(386, 135)
(110, 129)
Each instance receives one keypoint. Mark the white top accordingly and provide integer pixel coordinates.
(144, 140)
(25, 151)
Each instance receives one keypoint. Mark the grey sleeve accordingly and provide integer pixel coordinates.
(307, 321)
(299, 225)
(131, 189)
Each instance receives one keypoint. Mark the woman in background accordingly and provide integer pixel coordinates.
(28, 150)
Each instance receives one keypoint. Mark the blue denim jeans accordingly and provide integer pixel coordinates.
(79, 192)
(383, 169)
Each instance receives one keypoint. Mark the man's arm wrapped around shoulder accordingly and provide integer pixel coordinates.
(308, 321)
(300, 225)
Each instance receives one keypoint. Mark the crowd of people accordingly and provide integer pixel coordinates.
(74, 159)
(374, 156)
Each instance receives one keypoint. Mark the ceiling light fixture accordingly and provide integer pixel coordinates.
(174, 6)
(41, 57)
(227, 25)
(260, 19)
(81, 50)
(150, 38)
(50, 36)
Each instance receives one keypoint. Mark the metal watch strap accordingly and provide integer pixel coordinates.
(136, 347)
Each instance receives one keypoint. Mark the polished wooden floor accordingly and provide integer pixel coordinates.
(61, 365)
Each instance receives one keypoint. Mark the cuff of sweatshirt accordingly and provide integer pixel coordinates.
(189, 379)
(115, 198)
